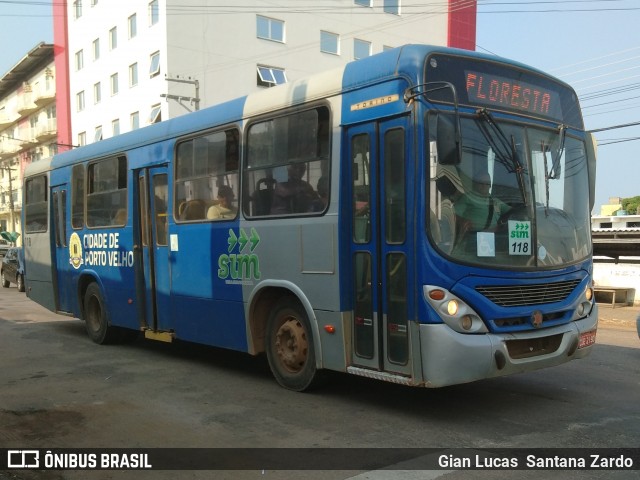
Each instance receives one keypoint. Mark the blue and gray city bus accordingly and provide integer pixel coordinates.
(421, 216)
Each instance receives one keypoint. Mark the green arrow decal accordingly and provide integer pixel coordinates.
(243, 240)
(233, 240)
(255, 239)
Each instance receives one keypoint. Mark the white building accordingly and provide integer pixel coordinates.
(137, 62)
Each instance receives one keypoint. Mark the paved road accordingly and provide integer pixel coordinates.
(57, 389)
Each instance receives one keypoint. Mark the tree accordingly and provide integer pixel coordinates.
(631, 205)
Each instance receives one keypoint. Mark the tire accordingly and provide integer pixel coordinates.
(5, 282)
(95, 317)
(20, 283)
(289, 346)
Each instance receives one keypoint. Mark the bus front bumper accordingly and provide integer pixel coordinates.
(449, 357)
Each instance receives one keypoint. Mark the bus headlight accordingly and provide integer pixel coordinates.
(586, 304)
(452, 307)
(453, 311)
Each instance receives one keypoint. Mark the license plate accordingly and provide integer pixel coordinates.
(587, 339)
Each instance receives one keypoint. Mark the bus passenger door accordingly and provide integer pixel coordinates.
(152, 237)
(63, 290)
(380, 242)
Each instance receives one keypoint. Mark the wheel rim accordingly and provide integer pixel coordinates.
(292, 345)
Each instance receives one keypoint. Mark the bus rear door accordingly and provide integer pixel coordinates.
(153, 282)
(380, 244)
(61, 257)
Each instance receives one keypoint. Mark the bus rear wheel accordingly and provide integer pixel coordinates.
(96, 318)
(289, 346)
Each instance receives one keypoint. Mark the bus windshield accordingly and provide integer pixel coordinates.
(515, 198)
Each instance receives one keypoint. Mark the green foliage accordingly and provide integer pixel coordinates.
(631, 204)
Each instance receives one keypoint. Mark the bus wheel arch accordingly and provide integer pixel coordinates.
(283, 326)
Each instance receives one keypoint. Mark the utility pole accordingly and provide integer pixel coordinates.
(194, 100)
(12, 216)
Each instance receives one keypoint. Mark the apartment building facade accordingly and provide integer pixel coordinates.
(142, 61)
(28, 126)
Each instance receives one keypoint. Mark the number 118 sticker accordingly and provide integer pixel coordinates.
(519, 237)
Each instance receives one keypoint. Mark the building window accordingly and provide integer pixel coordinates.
(270, 28)
(271, 76)
(391, 6)
(114, 84)
(115, 127)
(361, 49)
(82, 139)
(154, 13)
(97, 93)
(155, 116)
(133, 28)
(96, 49)
(77, 9)
(364, 3)
(154, 66)
(133, 75)
(79, 60)
(113, 38)
(330, 43)
(98, 135)
(80, 101)
(135, 120)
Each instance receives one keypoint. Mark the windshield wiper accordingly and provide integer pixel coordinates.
(508, 151)
(555, 164)
(556, 168)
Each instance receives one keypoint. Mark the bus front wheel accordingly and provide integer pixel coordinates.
(289, 346)
(95, 316)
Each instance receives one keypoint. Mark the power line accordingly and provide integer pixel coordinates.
(614, 127)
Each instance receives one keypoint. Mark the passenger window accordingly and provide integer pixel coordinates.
(36, 204)
(287, 171)
(107, 193)
(207, 177)
(77, 196)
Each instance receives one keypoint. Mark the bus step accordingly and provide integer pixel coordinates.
(384, 376)
(159, 336)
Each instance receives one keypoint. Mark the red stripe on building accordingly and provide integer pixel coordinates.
(61, 58)
(462, 24)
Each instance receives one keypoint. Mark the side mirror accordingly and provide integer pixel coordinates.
(592, 147)
(448, 140)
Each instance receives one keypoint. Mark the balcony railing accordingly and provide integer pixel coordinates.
(44, 95)
(26, 105)
(47, 130)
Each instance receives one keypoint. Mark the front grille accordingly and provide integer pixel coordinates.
(523, 295)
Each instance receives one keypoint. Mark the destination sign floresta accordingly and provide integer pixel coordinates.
(502, 92)
(501, 87)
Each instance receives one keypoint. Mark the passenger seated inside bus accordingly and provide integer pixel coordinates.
(295, 195)
(224, 208)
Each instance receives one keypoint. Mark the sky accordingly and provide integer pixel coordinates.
(594, 45)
